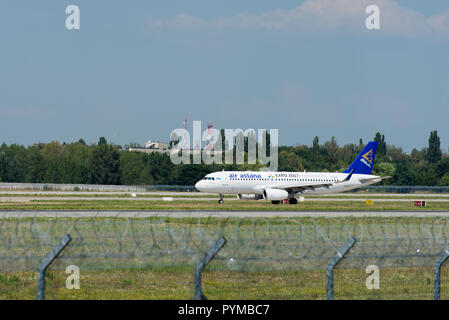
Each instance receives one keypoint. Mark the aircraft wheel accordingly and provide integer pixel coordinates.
(275, 201)
(220, 201)
(292, 201)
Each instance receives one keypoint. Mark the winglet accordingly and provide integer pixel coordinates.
(349, 175)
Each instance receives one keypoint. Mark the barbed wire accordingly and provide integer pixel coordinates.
(252, 243)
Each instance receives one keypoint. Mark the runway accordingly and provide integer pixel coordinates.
(217, 214)
(43, 198)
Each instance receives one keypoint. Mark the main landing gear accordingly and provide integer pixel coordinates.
(221, 199)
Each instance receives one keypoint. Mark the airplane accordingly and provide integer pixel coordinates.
(278, 186)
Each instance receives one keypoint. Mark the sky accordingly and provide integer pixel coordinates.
(136, 69)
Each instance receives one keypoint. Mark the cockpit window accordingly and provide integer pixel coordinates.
(208, 178)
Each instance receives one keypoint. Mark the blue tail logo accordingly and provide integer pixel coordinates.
(369, 156)
(364, 162)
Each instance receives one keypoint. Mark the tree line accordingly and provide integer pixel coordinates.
(103, 163)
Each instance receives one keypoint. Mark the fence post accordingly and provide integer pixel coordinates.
(437, 273)
(330, 267)
(203, 263)
(46, 263)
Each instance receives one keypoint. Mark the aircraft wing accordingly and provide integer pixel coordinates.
(295, 188)
(301, 187)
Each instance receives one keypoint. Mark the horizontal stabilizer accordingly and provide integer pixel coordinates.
(371, 179)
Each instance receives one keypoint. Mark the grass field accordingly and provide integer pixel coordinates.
(113, 195)
(416, 283)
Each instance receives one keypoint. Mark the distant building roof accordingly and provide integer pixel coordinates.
(152, 146)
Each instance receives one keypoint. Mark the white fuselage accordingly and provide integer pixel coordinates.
(255, 182)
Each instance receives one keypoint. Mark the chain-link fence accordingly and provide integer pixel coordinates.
(12, 186)
(404, 189)
(272, 258)
(186, 188)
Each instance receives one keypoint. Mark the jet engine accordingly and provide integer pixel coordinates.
(275, 194)
(250, 196)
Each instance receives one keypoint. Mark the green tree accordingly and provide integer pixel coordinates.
(133, 168)
(444, 181)
(418, 156)
(434, 151)
(12, 163)
(384, 169)
(53, 156)
(289, 161)
(104, 165)
(189, 174)
(76, 163)
(265, 143)
(161, 168)
(36, 166)
(442, 167)
(429, 176)
(316, 144)
(102, 141)
(332, 147)
(403, 176)
(381, 144)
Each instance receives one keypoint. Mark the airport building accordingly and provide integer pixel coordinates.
(151, 147)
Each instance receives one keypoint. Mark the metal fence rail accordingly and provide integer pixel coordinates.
(255, 247)
(405, 189)
(189, 188)
(92, 187)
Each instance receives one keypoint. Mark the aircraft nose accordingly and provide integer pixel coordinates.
(198, 185)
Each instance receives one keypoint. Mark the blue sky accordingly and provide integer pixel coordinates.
(136, 69)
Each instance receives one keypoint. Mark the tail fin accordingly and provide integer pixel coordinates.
(364, 162)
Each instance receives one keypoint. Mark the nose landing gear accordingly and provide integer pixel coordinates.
(220, 201)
